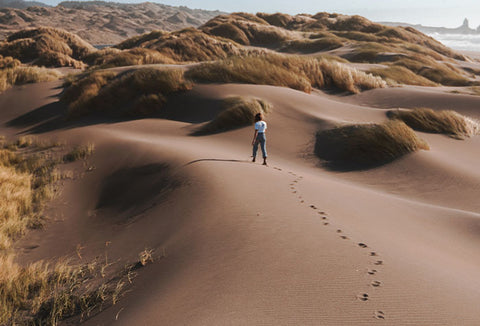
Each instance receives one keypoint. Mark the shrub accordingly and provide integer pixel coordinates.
(367, 145)
(444, 122)
(237, 112)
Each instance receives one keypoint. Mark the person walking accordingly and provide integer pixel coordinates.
(259, 137)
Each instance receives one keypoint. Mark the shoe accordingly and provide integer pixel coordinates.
(253, 159)
(264, 161)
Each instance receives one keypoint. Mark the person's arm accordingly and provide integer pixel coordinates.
(254, 136)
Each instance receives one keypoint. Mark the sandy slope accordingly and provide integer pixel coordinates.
(251, 245)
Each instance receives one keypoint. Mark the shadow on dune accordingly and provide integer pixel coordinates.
(128, 192)
(189, 108)
(216, 160)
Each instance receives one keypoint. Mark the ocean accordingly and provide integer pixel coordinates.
(461, 42)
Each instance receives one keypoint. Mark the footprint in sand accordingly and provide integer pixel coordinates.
(379, 314)
(362, 297)
(376, 283)
(379, 262)
(373, 253)
(339, 231)
(313, 207)
(362, 245)
(323, 213)
(324, 217)
(302, 201)
(344, 237)
(326, 223)
(372, 271)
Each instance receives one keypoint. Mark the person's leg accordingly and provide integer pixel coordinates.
(255, 149)
(263, 146)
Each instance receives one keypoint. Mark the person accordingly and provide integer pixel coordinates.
(259, 137)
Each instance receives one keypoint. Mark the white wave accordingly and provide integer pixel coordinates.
(462, 42)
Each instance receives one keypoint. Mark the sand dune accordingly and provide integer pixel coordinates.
(293, 243)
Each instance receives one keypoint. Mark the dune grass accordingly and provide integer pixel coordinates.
(400, 75)
(42, 293)
(79, 152)
(366, 145)
(47, 46)
(444, 122)
(187, 45)
(295, 72)
(132, 94)
(25, 75)
(111, 57)
(237, 112)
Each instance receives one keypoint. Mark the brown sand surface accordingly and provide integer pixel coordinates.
(288, 244)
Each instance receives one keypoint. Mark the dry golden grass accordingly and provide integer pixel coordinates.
(8, 62)
(40, 293)
(132, 94)
(299, 73)
(367, 145)
(400, 75)
(47, 46)
(237, 112)
(443, 122)
(79, 152)
(26, 182)
(45, 294)
(81, 89)
(311, 46)
(111, 57)
(187, 45)
(25, 75)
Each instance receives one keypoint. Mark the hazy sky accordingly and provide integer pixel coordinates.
(448, 13)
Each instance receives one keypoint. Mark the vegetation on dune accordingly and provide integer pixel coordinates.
(132, 94)
(42, 293)
(366, 145)
(47, 46)
(237, 112)
(112, 57)
(12, 73)
(395, 75)
(444, 122)
(187, 45)
(299, 73)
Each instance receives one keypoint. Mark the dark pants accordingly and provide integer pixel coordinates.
(263, 141)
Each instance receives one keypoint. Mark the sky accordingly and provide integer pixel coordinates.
(448, 13)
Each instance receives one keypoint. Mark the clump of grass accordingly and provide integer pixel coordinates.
(25, 75)
(112, 57)
(444, 122)
(401, 75)
(27, 179)
(133, 94)
(43, 293)
(8, 62)
(289, 71)
(79, 152)
(187, 45)
(81, 89)
(366, 145)
(311, 46)
(47, 46)
(237, 112)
